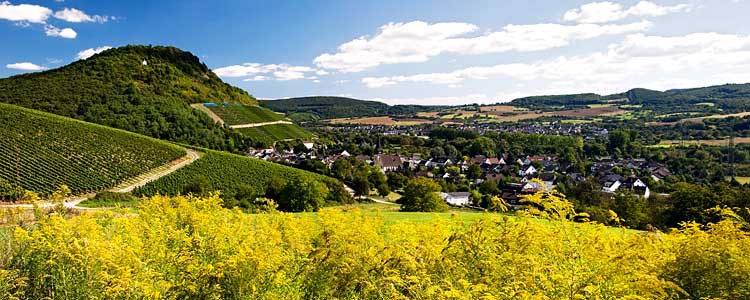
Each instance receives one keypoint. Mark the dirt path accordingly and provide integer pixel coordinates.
(215, 117)
(259, 124)
(125, 187)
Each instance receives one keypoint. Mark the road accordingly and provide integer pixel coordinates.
(73, 202)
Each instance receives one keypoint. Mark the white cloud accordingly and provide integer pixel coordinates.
(24, 13)
(639, 60)
(603, 12)
(260, 72)
(418, 41)
(76, 16)
(85, 54)
(67, 33)
(25, 66)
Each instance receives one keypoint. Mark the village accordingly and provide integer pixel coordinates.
(513, 177)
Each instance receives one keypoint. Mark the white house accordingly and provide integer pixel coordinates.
(527, 170)
(456, 199)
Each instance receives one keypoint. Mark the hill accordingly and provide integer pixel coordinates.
(40, 151)
(327, 107)
(728, 97)
(141, 89)
(261, 125)
(234, 175)
(233, 114)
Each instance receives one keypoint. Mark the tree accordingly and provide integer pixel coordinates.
(421, 195)
(397, 180)
(302, 194)
(474, 171)
(630, 209)
(489, 188)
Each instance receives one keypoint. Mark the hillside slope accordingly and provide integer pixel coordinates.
(40, 151)
(327, 107)
(142, 89)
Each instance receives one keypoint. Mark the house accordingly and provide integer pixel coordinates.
(610, 183)
(532, 187)
(308, 146)
(456, 199)
(438, 162)
(527, 170)
(549, 179)
(577, 177)
(659, 172)
(638, 187)
(364, 158)
(388, 163)
(494, 177)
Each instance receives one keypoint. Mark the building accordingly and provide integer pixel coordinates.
(456, 199)
(388, 163)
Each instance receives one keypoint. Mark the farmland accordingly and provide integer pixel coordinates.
(41, 151)
(380, 121)
(224, 172)
(724, 142)
(275, 132)
(233, 114)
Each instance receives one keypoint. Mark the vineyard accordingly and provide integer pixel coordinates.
(41, 151)
(225, 172)
(191, 248)
(275, 132)
(234, 114)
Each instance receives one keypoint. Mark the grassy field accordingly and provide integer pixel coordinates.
(380, 121)
(239, 114)
(741, 180)
(276, 132)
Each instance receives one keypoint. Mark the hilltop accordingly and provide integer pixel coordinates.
(41, 151)
(143, 89)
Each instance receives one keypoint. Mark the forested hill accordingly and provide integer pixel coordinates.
(329, 107)
(143, 89)
(726, 97)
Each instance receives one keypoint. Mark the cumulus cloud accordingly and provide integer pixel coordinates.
(24, 12)
(85, 54)
(76, 16)
(603, 12)
(639, 60)
(53, 31)
(419, 41)
(25, 66)
(261, 72)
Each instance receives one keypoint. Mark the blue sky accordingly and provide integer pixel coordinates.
(423, 52)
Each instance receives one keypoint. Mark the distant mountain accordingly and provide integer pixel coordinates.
(143, 89)
(328, 107)
(731, 97)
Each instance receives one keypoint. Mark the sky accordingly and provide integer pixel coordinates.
(435, 52)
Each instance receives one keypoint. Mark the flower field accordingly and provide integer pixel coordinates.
(191, 248)
(41, 151)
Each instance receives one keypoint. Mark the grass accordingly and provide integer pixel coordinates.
(576, 121)
(724, 142)
(710, 104)
(600, 105)
(110, 199)
(741, 180)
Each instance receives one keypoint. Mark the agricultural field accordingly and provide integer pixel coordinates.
(40, 151)
(234, 114)
(225, 172)
(380, 121)
(275, 132)
(724, 142)
(192, 248)
(700, 119)
(501, 108)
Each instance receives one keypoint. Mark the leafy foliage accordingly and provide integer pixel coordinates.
(115, 89)
(324, 107)
(41, 151)
(421, 195)
(191, 248)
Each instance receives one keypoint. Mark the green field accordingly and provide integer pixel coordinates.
(234, 114)
(40, 151)
(224, 172)
(276, 132)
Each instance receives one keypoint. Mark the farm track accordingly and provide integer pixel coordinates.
(128, 186)
(259, 124)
